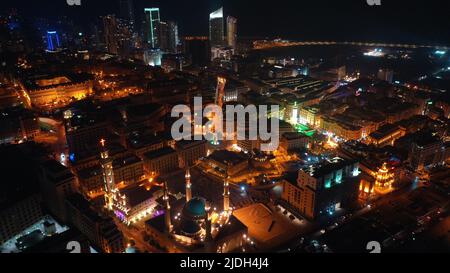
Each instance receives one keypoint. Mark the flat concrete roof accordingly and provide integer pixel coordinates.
(268, 227)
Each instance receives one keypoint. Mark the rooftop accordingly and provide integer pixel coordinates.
(83, 205)
(226, 157)
(384, 131)
(184, 144)
(327, 167)
(159, 153)
(268, 227)
(294, 135)
(137, 195)
(53, 80)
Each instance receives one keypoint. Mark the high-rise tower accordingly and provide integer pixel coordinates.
(110, 28)
(216, 28)
(152, 20)
(232, 31)
(126, 11)
(53, 42)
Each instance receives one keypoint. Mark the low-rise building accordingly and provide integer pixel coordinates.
(190, 152)
(427, 151)
(57, 90)
(294, 141)
(100, 230)
(386, 135)
(323, 189)
(227, 163)
(161, 161)
(128, 170)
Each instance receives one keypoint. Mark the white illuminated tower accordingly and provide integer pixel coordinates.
(167, 217)
(108, 176)
(216, 28)
(226, 195)
(188, 186)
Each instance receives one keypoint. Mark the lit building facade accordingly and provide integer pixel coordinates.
(386, 135)
(57, 90)
(428, 152)
(53, 42)
(101, 231)
(294, 141)
(232, 32)
(192, 225)
(127, 171)
(160, 162)
(110, 31)
(216, 27)
(384, 179)
(190, 152)
(153, 20)
(168, 37)
(323, 189)
(129, 204)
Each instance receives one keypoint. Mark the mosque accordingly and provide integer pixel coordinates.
(185, 223)
(192, 225)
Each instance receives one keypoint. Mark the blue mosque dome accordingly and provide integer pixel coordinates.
(190, 227)
(195, 209)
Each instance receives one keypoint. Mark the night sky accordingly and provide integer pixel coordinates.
(424, 21)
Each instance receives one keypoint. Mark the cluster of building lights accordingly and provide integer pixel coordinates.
(375, 53)
(384, 178)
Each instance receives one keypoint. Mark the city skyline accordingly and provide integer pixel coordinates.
(308, 20)
(224, 127)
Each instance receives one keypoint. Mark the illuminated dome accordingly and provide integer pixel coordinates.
(195, 209)
(190, 227)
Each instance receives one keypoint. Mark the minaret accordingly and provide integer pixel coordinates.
(226, 195)
(188, 185)
(167, 218)
(108, 175)
(208, 223)
(208, 230)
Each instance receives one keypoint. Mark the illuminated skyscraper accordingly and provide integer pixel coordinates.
(163, 32)
(126, 11)
(110, 31)
(216, 27)
(152, 20)
(174, 40)
(53, 41)
(232, 31)
(168, 37)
